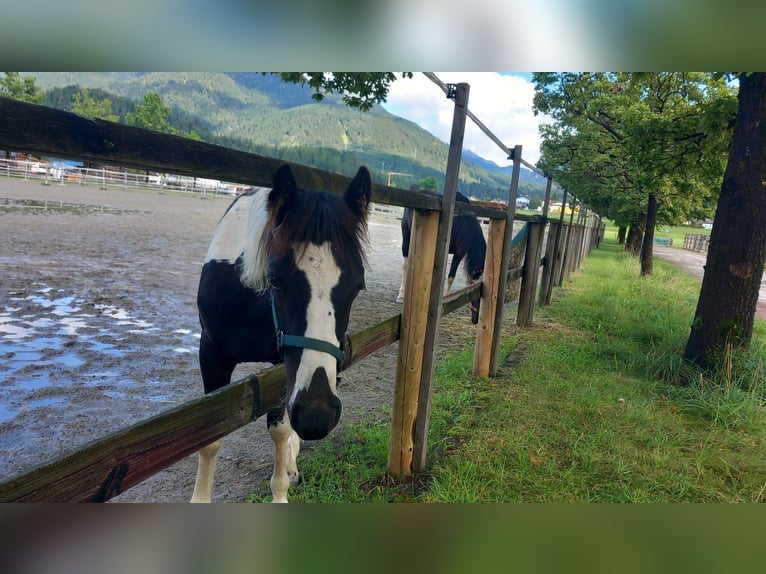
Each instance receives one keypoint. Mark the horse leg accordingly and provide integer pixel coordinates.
(400, 296)
(203, 485)
(287, 445)
(216, 368)
(452, 272)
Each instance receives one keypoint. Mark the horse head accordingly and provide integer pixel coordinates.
(315, 271)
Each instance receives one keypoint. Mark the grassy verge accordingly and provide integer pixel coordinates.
(676, 233)
(593, 405)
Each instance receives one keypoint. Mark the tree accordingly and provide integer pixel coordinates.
(737, 250)
(152, 114)
(429, 182)
(14, 85)
(361, 90)
(640, 148)
(85, 105)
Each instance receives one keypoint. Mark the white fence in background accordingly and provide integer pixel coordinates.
(50, 174)
(105, 177)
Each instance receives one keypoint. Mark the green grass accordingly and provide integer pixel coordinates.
(594, 404)
(676, 232)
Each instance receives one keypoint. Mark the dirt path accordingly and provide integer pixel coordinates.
(98, 327)
(694, 263)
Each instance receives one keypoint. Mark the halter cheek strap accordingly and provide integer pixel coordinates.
(306, 342)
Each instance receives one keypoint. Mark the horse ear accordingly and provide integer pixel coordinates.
(357, 195)
(282, 194)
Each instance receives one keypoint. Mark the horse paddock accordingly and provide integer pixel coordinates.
(99, 329)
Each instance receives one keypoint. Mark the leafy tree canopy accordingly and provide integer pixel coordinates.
(429, 182)
(617, 137)
(24, 88)
(152, 114)
(86, 105)
(361, 90)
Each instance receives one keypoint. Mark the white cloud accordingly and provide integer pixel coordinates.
(503, 103)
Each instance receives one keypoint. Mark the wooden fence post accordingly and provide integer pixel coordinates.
(566, 259)
(580, 237)
(525, 312)
(421, 311)
(491, 297)
(459, 93)
(507, 240)
(412, 339)
(546, 282)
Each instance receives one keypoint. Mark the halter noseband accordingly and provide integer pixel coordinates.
(283, 340)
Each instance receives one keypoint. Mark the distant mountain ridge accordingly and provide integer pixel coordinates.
(260, 112)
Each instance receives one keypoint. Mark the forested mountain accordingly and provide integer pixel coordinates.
(260, 113)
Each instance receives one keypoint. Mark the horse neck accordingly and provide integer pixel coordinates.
(475, 247)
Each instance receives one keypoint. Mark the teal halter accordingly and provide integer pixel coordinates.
(306, 342)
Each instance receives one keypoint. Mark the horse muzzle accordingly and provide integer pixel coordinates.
(315, 411)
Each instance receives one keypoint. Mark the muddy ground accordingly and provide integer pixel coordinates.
(98, 327)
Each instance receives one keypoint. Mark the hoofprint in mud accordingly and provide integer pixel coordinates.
(99, 327)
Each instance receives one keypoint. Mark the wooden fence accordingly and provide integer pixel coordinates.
(109, 466)
(696, 242)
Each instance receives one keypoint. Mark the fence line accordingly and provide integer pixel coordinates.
(36, 129)
(696, 242)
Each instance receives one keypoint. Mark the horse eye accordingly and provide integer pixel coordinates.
(275, 282)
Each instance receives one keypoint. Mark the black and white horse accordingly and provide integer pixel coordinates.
(466, 242)
(281, 273)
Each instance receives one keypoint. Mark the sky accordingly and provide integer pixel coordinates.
(501, 100)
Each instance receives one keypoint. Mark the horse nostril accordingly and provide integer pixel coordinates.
(315, 410)
(314, 421)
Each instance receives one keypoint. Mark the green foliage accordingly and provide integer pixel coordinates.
(361, 90)
(152, 114)
(85, 105)
(24, 88)
(619, 136)
(429, 182)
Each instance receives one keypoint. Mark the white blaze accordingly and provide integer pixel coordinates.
(323, 274)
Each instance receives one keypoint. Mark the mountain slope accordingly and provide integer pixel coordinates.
(250, 107)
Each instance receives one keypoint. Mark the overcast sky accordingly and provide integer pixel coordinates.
(502, 101)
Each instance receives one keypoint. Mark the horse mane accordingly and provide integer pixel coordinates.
(314, 217)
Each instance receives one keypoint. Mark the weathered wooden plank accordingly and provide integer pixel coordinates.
(512, 193)
(451, 177)
(457, 299)
(109, 466)
(409, 362)
(546, 282)
(528, 292)
(364, 343)
(492, 297)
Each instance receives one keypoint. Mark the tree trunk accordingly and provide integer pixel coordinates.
(621, 231)
(737, 250)
(647, 247)
(635, 235)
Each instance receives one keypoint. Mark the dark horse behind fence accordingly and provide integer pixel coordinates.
(466, 242)
(278, 281)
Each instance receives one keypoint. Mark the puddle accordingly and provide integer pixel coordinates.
(54, 342)
(13, 205)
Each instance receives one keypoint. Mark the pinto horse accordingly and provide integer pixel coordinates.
(277, 285)
(466, 242)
